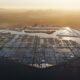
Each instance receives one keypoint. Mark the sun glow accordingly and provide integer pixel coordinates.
(42, 4)
(68, 28)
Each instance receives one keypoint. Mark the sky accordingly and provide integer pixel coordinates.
(41, 4)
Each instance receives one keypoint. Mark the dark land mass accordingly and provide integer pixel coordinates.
(11, 70)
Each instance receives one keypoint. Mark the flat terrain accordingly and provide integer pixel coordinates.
(41, 49)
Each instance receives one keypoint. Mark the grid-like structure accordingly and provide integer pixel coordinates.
(36, 51)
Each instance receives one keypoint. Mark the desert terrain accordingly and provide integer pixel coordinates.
(39, 17)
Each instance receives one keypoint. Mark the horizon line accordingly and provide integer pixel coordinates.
(15, 8)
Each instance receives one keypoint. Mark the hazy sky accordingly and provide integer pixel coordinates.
(41, 4)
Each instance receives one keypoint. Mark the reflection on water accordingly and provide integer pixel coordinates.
(72, 38)
(68, 38)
